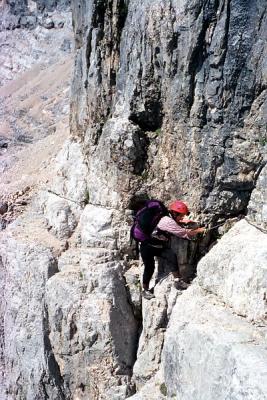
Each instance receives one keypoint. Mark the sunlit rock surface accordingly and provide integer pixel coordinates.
(257, 208)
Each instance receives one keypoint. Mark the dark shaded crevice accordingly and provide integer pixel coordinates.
(195, 64)
(261, 19)
(150, 119)
(146, 105)
(202, 245)
(210, 9)
(73, 327)
(103, 46)
(226, 32)
(54, 376)
(223, 6)
(98, 15)
(88, 49)
(113, 44)
(52, 269)
(171, 50)
(123, 12)
(141, 143)
(137, 313)
(103, 17)
(257, 173)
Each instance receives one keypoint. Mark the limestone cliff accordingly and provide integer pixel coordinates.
(168, 100)
(187, 81)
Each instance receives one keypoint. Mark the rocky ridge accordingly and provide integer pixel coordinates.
(149, 114)
(34, 107)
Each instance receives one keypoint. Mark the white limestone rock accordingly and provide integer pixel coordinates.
(156, 314)
(236, 271)
(96, 227)
(93, 330)
(28, 255)
(61, 216)
(257, 208)
(154, 389)
(210, 353)
(71, 171)
(63, 202)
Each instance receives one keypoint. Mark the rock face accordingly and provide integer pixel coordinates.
(25, 317)
(209, 351)
(210, 347)
(169, 100)
(257, 209)
(236, 271)
(189, 78)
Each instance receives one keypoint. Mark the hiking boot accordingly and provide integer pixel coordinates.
(147, 294)
(179, 284)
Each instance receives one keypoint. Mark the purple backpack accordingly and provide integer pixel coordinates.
(146, 220)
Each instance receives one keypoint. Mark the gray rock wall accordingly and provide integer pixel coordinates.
(190, 79)
(69, 328)
(186, 83)
(29, 364)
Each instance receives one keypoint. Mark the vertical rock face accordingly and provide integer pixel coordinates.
(30, 369)
(189, 77)
(186, 83)
(78, 316)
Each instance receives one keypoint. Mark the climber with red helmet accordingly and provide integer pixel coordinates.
(159, 245)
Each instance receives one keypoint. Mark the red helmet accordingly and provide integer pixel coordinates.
(179, 207)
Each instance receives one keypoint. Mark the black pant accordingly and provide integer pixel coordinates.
(148, 254)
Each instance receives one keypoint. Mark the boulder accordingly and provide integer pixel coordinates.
(210, 352)
(235, 270)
